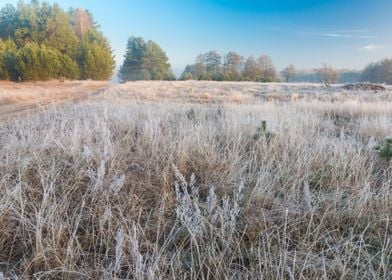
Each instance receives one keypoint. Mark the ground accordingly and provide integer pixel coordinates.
(158, 180)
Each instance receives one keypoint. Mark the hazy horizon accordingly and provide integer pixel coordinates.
(305, 33)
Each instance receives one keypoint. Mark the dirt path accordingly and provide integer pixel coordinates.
(60, 95)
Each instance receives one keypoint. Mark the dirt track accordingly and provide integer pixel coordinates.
(23, 99)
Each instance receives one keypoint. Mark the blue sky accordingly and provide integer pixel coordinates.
(306, 33)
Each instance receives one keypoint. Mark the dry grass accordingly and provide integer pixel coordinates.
(13, 93)
(122, 187)
(240, 92)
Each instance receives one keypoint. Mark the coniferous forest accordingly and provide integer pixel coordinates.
(40, 41)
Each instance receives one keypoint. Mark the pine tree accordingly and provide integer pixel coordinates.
(7, 49)
(96, 58)
(133, 68)
(145, 61)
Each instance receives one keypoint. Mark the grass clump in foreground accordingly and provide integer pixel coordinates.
(120, 190)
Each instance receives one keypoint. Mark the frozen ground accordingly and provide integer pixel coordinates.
(159, 180)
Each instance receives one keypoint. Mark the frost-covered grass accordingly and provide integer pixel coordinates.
(120, 187)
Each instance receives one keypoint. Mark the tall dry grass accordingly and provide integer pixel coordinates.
(127, 189)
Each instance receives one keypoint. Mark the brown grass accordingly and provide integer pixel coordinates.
(123, 187)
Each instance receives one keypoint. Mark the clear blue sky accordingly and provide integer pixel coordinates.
(306, 33)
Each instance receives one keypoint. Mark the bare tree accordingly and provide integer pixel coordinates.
(327, 74)
(83, 22)
(267, 69)
(250, 71)
(213, 62)
(288, 72)
(232, 66)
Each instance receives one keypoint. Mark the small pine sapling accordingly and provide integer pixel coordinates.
(262, 132)
(385, 149)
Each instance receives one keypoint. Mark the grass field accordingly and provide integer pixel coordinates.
(178, 180)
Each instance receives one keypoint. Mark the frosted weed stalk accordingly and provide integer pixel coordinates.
(201, 217)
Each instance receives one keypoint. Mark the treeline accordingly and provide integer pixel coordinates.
(234, 67)
(231, 67)
(39, 41)
(376, 72)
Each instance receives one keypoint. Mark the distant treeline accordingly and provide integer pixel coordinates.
(312, 76)
(231, 67)
(43, 42)
(234, 67)
(377, 72)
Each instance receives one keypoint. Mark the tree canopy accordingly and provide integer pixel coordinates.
(39, 41)
(145, 61)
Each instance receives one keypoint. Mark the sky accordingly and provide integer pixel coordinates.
(306, 33)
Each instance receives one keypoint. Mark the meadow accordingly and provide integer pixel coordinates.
(199, 180)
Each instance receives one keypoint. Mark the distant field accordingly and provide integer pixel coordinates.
(167, 180)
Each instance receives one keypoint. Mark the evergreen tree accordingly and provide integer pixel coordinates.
(69, 68)
(37, 62)
(156, 62)
(96, 58)
(133, 68)
(145, 61)
(8, 21)
(7, 49)
(59, 34)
